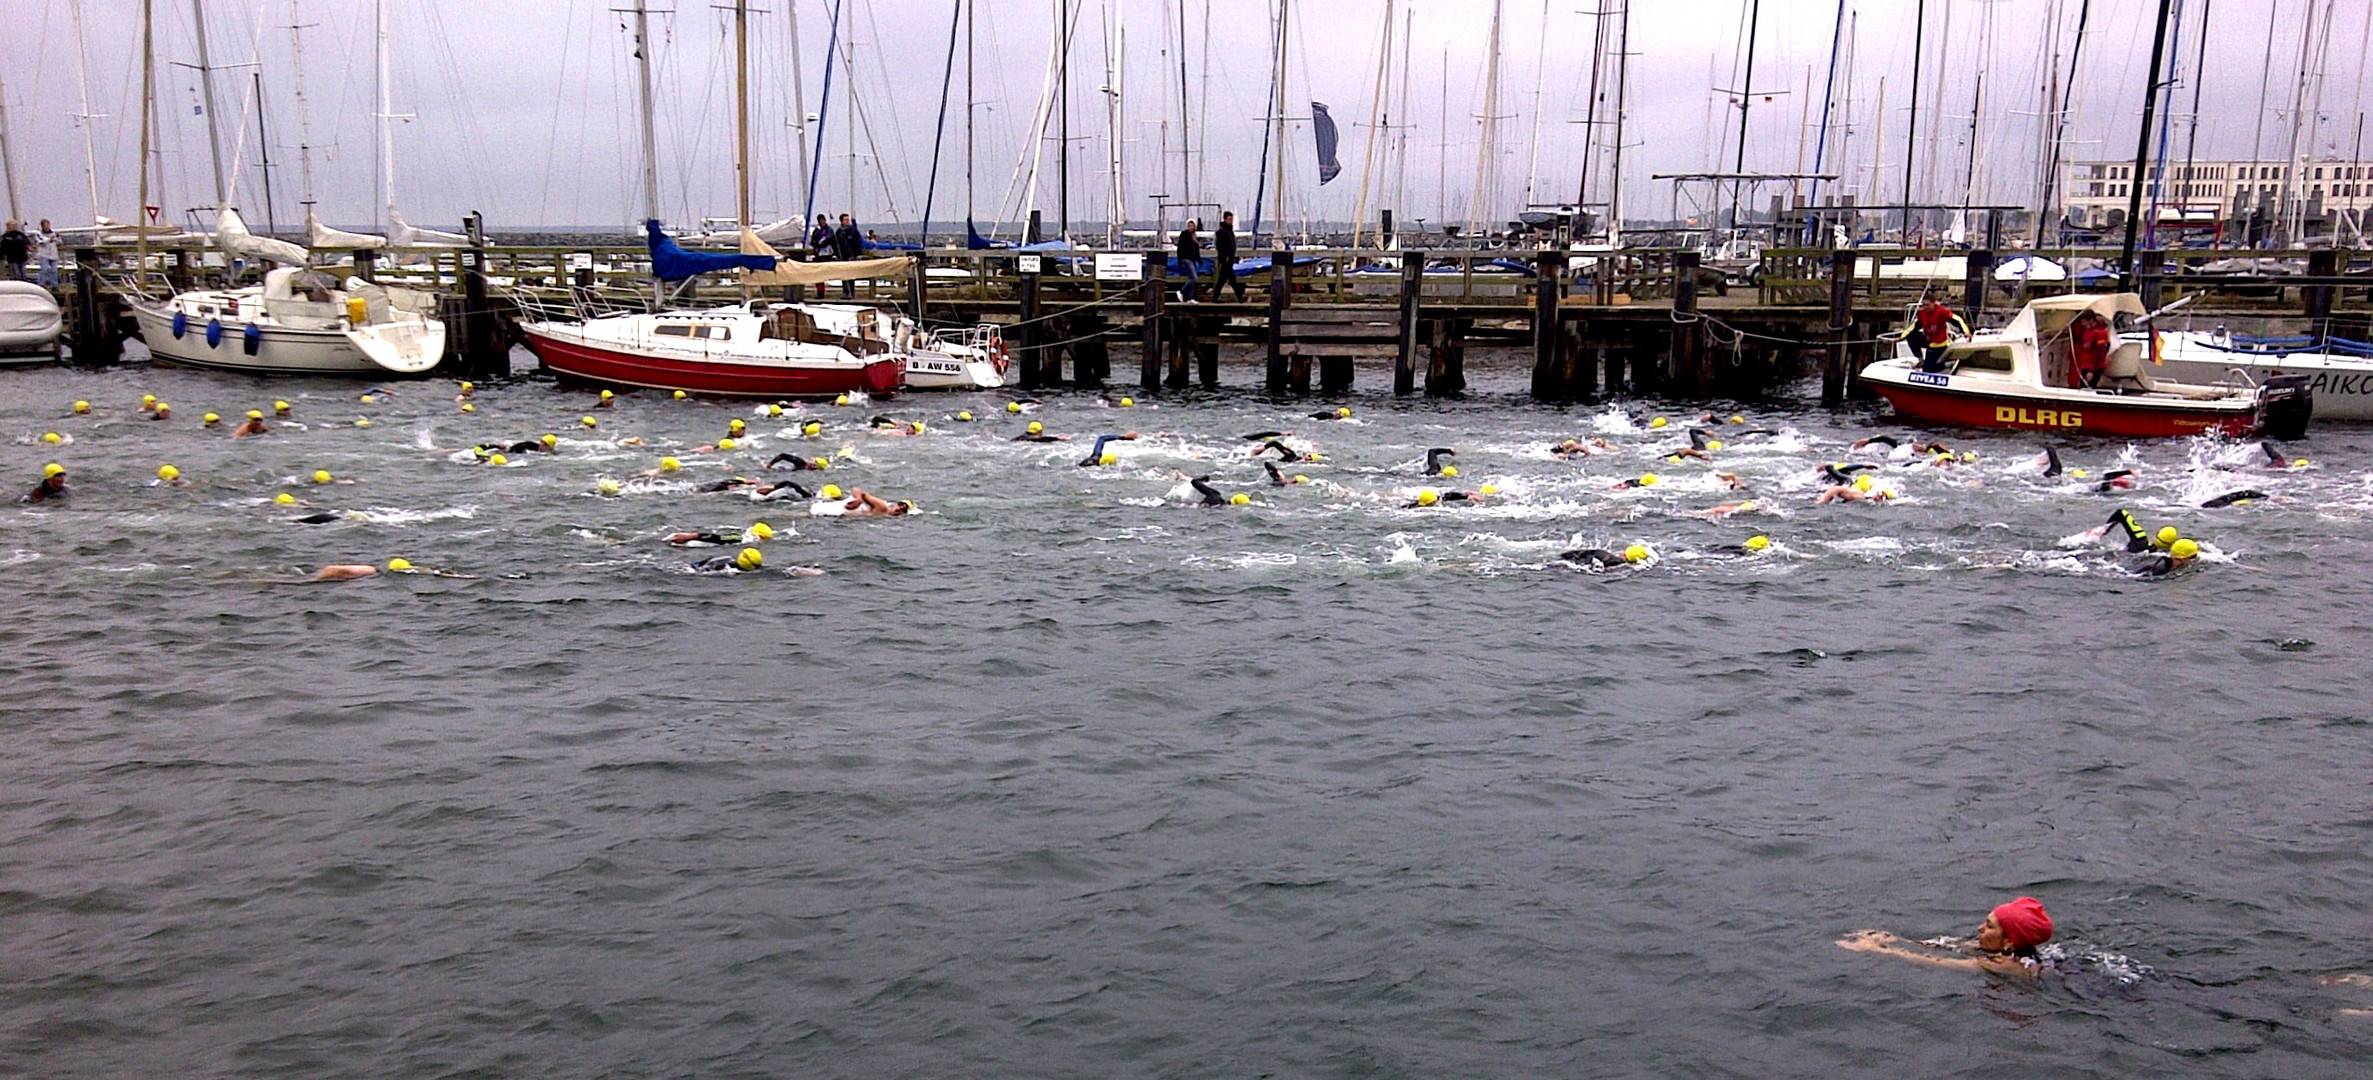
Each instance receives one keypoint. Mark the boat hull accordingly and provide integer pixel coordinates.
(586, 361)
(280, 350)
(2103, 414)
(2343, 386)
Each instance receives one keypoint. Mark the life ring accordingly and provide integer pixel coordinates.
(997, 354)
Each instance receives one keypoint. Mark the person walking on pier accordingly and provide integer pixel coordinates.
(45, 255)
(848, 245)
(1190, 253)
(13, 250)
(1223, 251)
(819, 239)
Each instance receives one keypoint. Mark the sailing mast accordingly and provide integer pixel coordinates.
(296, 53)
(1186, 158)
(222, 191)
(386, 120)
(1491, 123)
(8, 157)
(1622, 98)
(799, 119)
(2142, 146)
(1911, 135)
(1065, 12)
(1746, 99)
(1376, 105)
(263, 142)
(642, 60)
(741, 125)
(2051, 172)
(1115, 45)
(90, 150)
(148, 96)
(1284, 25)
(1532, 151)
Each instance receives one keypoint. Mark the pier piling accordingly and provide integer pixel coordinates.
(1156, 281)
(2317, 299)
(1404, 365)
(1841, 327)
(1548, 337)
(1687, 367)
(1974, 282)
(95, 340)
(1281, 283)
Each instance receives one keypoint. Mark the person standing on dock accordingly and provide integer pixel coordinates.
(1190, 253)
(13, 249)
(848, 245)
(819, 239)
(1223, 250)
(45, 255)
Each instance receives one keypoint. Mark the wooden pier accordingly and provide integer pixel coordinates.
(1635, 321)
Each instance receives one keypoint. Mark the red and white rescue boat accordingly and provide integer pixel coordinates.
(760, 350)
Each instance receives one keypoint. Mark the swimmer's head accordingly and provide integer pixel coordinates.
(774, 410)
(606, 395)
(82, 408)
(1343, 413)
(761, 530)
(2184, 549)
(1109, 458)
(321, 476)
(2168, 536)
(1968, 457)
(669, 464)
(550, 440)
(2077, 473)
(1736, 419)
(736, 426)
(1013, 406)
(52, 438)
(916, 427)
(841, 400)
(1657, 423)
(831, 491)
(497, 459)
(2020, 924)
(1239, 499)
(1673, 459)
(1450, 470)
(1128, 402)
(1301, 479)
(1635, 553)
(163, 409)
(749, 559)
(2301, 463)
(398, 565)
(812, 427)
(168, 473)
(1862, 484)
(1758, 542)
(1748, 504)
(1713, 444)
(727, 443)
(1037, 428)
(148, 399)
(467, 407)
(1428, 497)
(52, 469)
(280, 407)
(680, 395)
(1648, 479)
(211, 419)
(965, 415)
(284, 499)
(586, 421)
(606, 486)
(1488, 489)
(820, 463)
(467, 386)
(362, 421)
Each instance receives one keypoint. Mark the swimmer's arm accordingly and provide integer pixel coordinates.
(1880, 941)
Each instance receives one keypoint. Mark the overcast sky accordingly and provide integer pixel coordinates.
(525, 109)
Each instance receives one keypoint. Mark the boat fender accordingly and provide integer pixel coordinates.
(213, 333)
(181, 324)
(358, 310)
(251, 339)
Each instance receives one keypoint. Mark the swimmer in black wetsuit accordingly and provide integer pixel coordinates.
(1433, 459)
(1838, 472)
(1279, 479)
(2274, 456)
(782, 490)
(322, 518)
(1037, 433)
(2179, 556)
(797, 463)
(1096, 455)
(1597, 558)
(1284, 452)
(2052, 457)
(1439, 497)
(1888, 441)
(747, 561)
(1211, 495)
(1260, 436)
(2137, 538)
(703, 539)
(2231, 497)
(1700, 438)
(1343, 413)
(1585, 447)
(727, 484)
(52, 486)
(523, 446)
(2115, 480)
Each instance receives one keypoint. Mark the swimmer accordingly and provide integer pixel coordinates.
(1211, 495)
(254, 425)
(1716, 513)
(727, 484)
(1701, 439)
(1640, 481)
(2005, 944)
(2231, 497)
(2275, 458)
(2137, 538)
(1855, 492)
(1731, 481)
(548, 444)
(164, 412)
(703, 539)
(1584, 447)
(2115, 480)
(1284, 453)
(1263, 436)
(1433, 459)
(1691, 452)
(1343, 413)
(861, 504)
(797, 463)
(1439, 497)
(1597, 559)
(1279, 479)
(782, 490)
(745, 562)
(1888, 441)
(607, 399)
(52, 485)
(344, 572)
(2179, 556)
(2051, 457)
(322, 518)
(1036, 432)
(1096, 455)
(1838, 472)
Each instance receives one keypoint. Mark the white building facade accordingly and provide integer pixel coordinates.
(2324, 193)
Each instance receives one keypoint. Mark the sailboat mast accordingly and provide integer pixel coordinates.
(1532, 151)
(1491, 121)
(148, 97)
(296, 54)
(2051, 173)
(1115, 47)
(799, 114)
(1746, 99)
(1063, 26)
(90, 149)
(2142, 146)
(1284, 27)
(222, 191)
(8, 157)
(263, 142)
(741, 112)
(642, 67)
(1186, 157)
(1911, 135)
(1837, 33)
(968, 114)
(386, 119)
(1376, 108)
(1622, 100)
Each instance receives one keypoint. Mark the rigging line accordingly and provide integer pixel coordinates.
(568, 31)
(939, 133)
(823, 114)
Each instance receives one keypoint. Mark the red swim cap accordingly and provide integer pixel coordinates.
(2024, 923)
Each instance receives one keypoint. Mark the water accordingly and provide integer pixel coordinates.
(1064, 778)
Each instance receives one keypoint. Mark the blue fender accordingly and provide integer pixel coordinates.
(252, 338)
(213, 332)
(181, 324)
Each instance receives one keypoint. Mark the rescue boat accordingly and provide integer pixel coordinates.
(2019, 377)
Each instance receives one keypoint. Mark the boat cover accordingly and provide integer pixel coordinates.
(670, 262)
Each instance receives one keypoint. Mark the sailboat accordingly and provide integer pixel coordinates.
(299, 321)
(401, 234)
(757, 348)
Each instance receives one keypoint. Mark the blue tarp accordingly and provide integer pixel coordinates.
(1322, 125)
(1260, 264)
(975, 241)
(890, 245)
(670, 262)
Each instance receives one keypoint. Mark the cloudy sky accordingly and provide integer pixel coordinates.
(525, 109)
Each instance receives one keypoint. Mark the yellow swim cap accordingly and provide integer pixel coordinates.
(749, 559)
(821, 463)
(606, 486)
(726, 443)
(52, 469)
(1647, 479)
(148, 399)
(831, 491)
(285, 499)
(1450, 470)
(1969, 457)
(1488, 489)
(1128, 402)
(2299, 464)
(680, 395)
(1736, 419)
(398, 565)
(1635, 553)
(2168, 536)
(362, 421)
(1656, 423)
(168, 473)
(255, 414)
(1747, 504)
(669, 464)
(841, 400)
(280, 406)
(53, 438)
(1301, 479)
(1037, 428)
(1758, 542)
(1108, 458)
(812, 427)
(2077, 473)
(2184, 549)
(1428, 497)
(605, 395)
(1239, 499)
(1013, 406)
(916, 427)
(467, 385)
(211, 419)
(467, 407)
(551, 439)
(587, 421)
(1862, 483)
(1715, 444)
(849, 452)
(761, 530)
(367, 399)
(964, 415)
(1343, 413)
(774, 410)
(737, 424)
(82, 407)
(321, 476)
(162, 409)
(1673, 460)
(497, 459)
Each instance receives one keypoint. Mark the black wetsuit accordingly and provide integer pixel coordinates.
(2109, 481)
(798, 464)
(1594, 558)
(322, 518)
(2274, 455)
(1888, 441)
(711, 538)
(715, 564)
(1259, 436)
(1433, 459)
(1838, 473)
(1284, 451)
(1275, 477)
(2052, 454)
(2160, 566)
(1445, 497)
(1026, 437)
(43, 492)
(2231, 497)
(883, 422)
(727, 484)
(2136, 538)
(1699, 437)
(1329, 414)
(1211, 495)
(1096, 456)
(770, 490)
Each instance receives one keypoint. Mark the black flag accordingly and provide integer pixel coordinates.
(1323, 126)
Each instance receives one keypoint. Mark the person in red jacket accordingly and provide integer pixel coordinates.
(1933, 325)
(2088, 349)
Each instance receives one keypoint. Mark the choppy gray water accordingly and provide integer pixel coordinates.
(1065, 778)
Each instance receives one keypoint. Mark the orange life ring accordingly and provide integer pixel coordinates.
(997, 353)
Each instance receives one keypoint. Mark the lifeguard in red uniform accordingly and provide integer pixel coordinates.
(2088, 349)
(1935, 323)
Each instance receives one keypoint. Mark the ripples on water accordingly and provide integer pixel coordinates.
(1065, 778)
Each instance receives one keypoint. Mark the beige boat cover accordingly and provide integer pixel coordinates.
(787, 272)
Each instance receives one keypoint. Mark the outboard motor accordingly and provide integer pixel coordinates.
(2284, 404)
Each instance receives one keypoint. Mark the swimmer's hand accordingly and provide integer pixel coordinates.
(1867, 941)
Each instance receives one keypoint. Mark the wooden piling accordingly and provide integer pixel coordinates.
(1446, 367)
(366, 265)
(918, 290)
(1979, 275)
(1404, 365)
(1686, 367)
(1207, 332)
(2317, 299)
(1547, 339)
(1156, 282)
(2150, 270)
(1183, 344)
(1029, 328)
(482, 353)
(1841, 327)
(1281, 286)
(95, 340)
